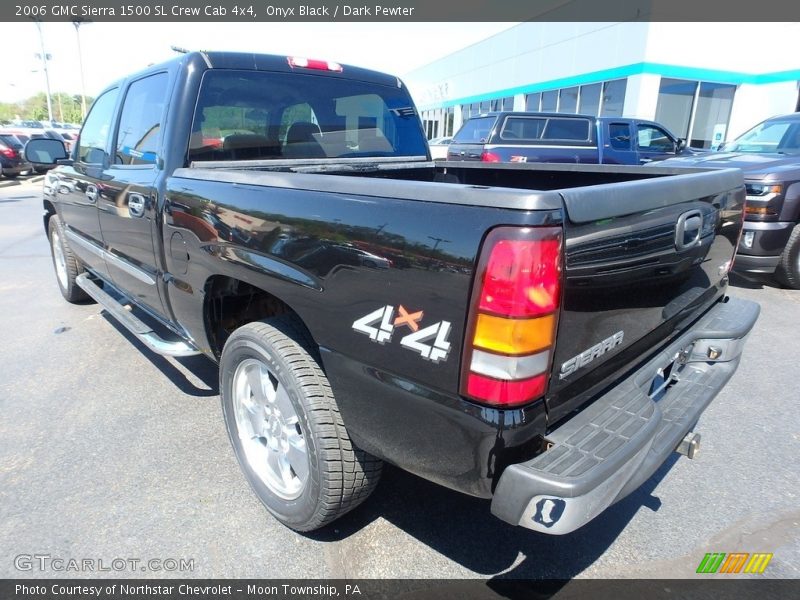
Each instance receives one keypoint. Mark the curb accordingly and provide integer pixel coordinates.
(36, 179)
(9, 183)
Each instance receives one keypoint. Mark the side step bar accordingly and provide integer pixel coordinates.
(133, 324)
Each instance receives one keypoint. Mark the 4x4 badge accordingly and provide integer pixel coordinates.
(380, 325)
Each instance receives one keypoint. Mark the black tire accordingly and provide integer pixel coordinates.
(788, 270)
(340, 476)
(69, 289)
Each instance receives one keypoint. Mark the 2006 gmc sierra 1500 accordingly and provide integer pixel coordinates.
(541, 335)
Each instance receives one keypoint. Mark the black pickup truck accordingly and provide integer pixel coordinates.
(541, 335)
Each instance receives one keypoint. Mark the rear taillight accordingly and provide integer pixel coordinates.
(307, 63)
(8, 152)
(512, 324)
(487, 156)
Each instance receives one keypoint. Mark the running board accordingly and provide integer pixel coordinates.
(133, 324)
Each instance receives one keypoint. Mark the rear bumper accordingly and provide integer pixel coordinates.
(614, 445)
(15, 169)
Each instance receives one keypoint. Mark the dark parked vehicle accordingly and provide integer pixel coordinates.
(769, 155)
(563, 138)
(541, 335)
(12, 162)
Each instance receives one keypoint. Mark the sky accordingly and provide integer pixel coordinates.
(113, 50)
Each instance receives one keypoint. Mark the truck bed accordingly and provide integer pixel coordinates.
(622, 271)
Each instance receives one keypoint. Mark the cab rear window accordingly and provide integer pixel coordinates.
(250, 115)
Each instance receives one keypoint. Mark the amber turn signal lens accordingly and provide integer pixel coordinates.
(513, 336)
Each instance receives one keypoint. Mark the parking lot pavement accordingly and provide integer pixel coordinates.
(107, 450)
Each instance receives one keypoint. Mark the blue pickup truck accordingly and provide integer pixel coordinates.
(563, 138)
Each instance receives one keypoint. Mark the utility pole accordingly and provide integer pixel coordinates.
(77, 25)
(44, 56)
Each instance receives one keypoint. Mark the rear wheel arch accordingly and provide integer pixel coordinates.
(230, 303)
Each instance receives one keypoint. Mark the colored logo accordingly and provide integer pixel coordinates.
(735, 562)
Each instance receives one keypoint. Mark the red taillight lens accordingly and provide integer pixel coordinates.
(490, 157)
(512, 324)
(8, 152)
(505, 392)
(522, 278)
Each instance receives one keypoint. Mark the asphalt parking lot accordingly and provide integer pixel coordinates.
(108, 450)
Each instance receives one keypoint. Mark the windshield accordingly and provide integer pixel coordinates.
(246, 115)
(776, 136)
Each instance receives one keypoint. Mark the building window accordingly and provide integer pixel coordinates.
(674, 106)
(448, 127)
(532, 102)
(711, 117)
(590, 99)
(508, 103)
(568, 100)
(697, 111)
(613, 97)
(550, 101)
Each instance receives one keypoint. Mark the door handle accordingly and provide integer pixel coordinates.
(136, 205)
(92, 193)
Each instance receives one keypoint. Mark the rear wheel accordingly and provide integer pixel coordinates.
(788, 270)
(66, 265)
(285, 427)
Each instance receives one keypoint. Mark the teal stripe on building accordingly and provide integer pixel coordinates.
(641, 68)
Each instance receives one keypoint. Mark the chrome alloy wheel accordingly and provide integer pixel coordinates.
(269, 429)
(60, 261)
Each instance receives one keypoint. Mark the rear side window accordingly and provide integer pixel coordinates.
(97, 129)
(139, 133)
(559, 129)
(247, 115)
(620, 136)
(545, 129)
(523, 128)
(475, 131)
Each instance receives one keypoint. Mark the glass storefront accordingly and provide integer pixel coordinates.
(584, 99)
(698, 111)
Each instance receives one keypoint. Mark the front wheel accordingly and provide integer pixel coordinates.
(285, 427)
(788, 271)
(66, 265)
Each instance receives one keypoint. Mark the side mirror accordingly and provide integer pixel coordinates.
(45, 152)
(680, 145)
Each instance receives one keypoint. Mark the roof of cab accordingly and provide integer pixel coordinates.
(264, 62)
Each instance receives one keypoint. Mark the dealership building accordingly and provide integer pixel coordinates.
(706, 82)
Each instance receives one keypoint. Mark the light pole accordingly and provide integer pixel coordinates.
(77, 25)
(44, 56)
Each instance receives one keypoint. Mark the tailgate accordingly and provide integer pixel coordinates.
(642, 260)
